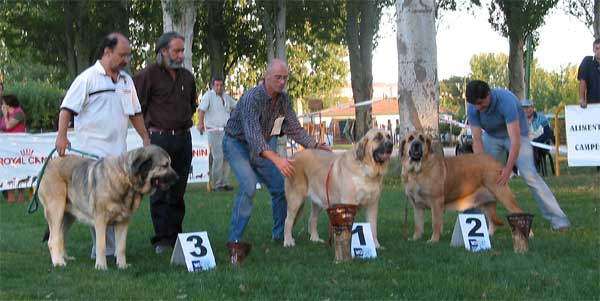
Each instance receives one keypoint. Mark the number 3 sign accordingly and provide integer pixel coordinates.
(471, 230)
(194, 250)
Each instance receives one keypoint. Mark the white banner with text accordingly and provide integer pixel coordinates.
(23, 155)
(583, 135)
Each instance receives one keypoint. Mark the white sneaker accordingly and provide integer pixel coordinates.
(258, 186)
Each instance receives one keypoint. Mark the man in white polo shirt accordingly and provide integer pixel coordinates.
(213, 113)
(103, 99)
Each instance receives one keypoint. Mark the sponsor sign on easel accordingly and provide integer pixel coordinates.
(194, 251)
(471, 231)
(362, 241)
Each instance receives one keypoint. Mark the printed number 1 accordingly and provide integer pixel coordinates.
(473, 232)
(197, 244)
(361, 235)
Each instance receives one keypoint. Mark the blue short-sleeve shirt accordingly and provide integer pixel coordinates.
(504, 109)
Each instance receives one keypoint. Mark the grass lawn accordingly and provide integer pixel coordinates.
(559, 266)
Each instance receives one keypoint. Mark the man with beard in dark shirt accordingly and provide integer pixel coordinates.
(167, 94)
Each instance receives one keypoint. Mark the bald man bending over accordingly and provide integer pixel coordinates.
(250, 143)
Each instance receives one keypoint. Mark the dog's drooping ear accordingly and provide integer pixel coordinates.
(428, 140)
(360, 149)
(402, 148)
(141, 167)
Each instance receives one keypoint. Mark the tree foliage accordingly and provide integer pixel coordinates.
(491, 68)
(517, 20)
(64, 34)
(587, 11)
(549, 89)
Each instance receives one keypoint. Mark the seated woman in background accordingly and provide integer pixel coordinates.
(13, 121)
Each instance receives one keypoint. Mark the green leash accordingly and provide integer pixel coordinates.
(34, 204)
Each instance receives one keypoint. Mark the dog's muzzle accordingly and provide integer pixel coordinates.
(166, 181)
(416, 151)
(383, 153)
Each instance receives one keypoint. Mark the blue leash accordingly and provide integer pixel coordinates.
(34, 204)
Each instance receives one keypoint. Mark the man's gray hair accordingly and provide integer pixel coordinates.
(163, 42)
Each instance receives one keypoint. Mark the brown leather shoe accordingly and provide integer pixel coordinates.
(238, 251)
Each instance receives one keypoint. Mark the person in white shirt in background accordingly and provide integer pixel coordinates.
(213, 113)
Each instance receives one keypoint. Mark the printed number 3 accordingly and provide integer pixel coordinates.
(198, 245)
(473, 232)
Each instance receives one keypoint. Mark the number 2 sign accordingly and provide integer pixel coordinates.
(194, 250)
(472, 231)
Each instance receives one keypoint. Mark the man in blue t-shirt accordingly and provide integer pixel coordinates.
(499, 113)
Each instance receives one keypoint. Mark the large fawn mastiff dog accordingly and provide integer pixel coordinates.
(99, 193)
(355, 177)
(457, 183)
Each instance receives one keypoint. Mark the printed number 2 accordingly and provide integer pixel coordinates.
(197, 244)
(361, 235)
(473, 232)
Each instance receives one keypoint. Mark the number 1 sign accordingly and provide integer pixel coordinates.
(194, 250)
(362, 241)
(472, 230)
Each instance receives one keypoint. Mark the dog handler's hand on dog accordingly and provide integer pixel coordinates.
(284, 165)
(62, 142)
(323, 146)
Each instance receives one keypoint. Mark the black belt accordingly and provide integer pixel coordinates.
(178, 132)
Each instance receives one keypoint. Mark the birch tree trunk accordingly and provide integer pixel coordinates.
(418, 86)
(280, 27)
(180, 16)
(516, 72)
(267, 22)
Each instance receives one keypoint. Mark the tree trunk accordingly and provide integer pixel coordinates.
(359, 35)
(596, 19)
(516, 72)
(268, 28)
(418, 86)
(180, 17)
(280, 39)
(215, 34)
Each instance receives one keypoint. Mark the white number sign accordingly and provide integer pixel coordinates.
(472, 231)
(194, 250)
(362, 241)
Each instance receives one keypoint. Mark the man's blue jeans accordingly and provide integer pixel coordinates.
(249, 169)
(541, 192)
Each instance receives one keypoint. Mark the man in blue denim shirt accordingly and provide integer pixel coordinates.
(499, 113)
(250, 143)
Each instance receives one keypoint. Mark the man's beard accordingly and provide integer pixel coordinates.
(172, 64)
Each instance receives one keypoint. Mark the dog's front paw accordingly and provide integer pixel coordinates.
(101, 266)
(416, 236)
(59, 263)
(123, 266)
(316, 238)
(289, 242)
(433, 240)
